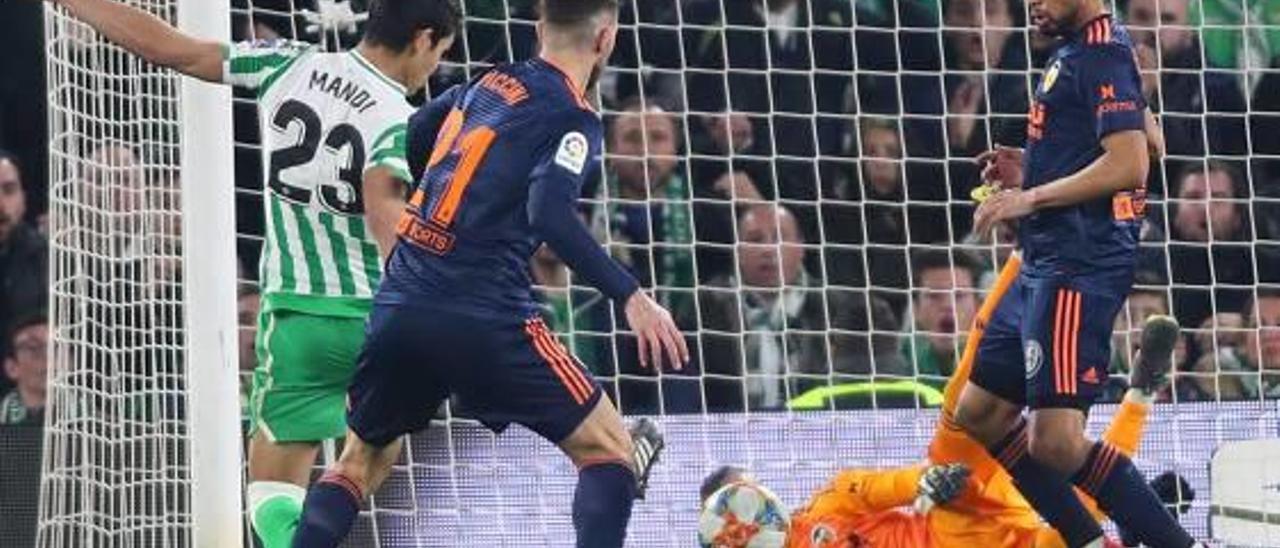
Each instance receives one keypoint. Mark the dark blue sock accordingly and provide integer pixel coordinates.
(1046, 490)
(1121, 491)
(328, 512)
(602, 504)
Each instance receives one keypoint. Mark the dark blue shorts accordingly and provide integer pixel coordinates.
(1049, 342)
(501, 372)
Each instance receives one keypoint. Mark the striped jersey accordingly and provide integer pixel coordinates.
(325, 119)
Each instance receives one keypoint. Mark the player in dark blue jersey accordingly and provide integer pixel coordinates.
(1080, 198)
(504, 158)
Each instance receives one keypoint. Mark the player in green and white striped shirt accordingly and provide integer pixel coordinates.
(333, 127)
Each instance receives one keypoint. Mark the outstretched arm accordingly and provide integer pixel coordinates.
(147, 36)
(863, 491)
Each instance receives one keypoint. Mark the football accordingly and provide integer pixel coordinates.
(743, 515)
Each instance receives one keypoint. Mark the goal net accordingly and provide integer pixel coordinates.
(792, 180)
(135, 371)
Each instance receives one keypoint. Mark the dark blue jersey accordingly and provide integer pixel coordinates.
(504, 158)
(1091, 89)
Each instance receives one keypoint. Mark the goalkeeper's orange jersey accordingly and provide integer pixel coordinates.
(870, 508)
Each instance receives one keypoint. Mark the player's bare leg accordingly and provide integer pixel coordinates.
(334, 500)
(278, 477)
(613, 467)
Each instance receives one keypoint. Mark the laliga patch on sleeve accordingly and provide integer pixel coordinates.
(573, 151)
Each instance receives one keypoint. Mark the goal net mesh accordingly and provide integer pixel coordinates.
(115, 469)
(791, 179)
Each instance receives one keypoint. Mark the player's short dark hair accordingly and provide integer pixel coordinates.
(923, 260)
(394, 23)
(719, 478)
(574, 13)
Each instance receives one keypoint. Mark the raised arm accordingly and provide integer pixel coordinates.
(147, 36)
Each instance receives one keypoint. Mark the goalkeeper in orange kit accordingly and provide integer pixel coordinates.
(961, 497)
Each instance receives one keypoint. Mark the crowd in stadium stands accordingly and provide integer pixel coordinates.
(797, 192)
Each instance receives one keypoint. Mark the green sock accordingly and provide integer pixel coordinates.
(274, 511)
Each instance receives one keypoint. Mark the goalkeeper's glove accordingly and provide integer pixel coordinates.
(940, 484)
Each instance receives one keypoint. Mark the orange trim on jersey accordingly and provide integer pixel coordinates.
(1099, 31)
(577, 90)
(556, 357)
(1059, 314)
(553, 363)
(572, 366)
(1074, 342)
(1066, 340)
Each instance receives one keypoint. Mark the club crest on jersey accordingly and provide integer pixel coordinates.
(1034, 356)
(1051, 76)
(572, 154)
(821, 535)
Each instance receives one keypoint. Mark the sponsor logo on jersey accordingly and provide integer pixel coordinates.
(822, 535)
(1050, 77)
(1034, 356)
(573, 151)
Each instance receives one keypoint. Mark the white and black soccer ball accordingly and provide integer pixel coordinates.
(743, 515)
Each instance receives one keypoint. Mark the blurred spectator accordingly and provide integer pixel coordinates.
(26, 364)
(944, 300)
(1210, 252)
(1213, 377)
(991, 58)
(867, 206)
(1222, 372)
(787, 64)
(741, 41)
(1185, 95)
(24, 262)
(1148, 298)
(1228, 44)
(726, 165)
(1263, 346)
(766, 323)
(647, 58)
(648, 214)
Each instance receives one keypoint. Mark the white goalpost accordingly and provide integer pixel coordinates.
(143, 443)
(208, 220)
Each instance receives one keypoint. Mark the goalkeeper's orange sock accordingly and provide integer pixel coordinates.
(602, 504)
(331, 507)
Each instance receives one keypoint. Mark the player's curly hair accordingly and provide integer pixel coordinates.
(573, 13)
(394, 23)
